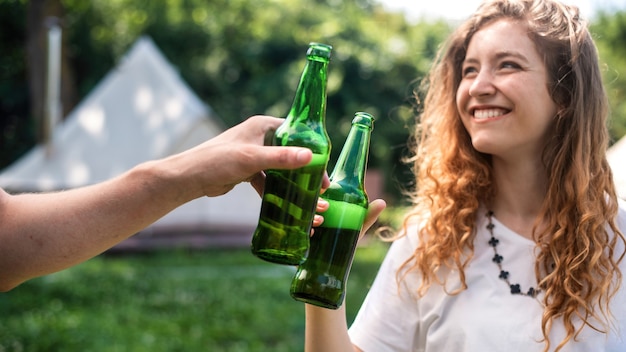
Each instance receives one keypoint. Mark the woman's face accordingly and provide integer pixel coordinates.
(503, 98)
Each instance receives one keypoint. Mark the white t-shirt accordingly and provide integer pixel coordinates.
(484, 318)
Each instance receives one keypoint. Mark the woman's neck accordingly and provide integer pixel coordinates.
(520, 192)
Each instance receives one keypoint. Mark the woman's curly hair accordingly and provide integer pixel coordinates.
(576, 265)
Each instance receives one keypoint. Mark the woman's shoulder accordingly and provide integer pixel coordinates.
(407, 237)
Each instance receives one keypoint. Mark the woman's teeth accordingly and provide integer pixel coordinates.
(488, 113)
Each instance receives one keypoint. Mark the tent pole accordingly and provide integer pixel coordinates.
(53, 84)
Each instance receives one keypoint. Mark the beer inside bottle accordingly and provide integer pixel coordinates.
(290, 196)
(287, 210)
(322, 278)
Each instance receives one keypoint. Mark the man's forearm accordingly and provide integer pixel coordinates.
(45, 233)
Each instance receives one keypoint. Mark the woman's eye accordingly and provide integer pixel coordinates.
(509, 64)
(469, 70)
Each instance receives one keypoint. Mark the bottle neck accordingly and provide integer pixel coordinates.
(309, 105)
(352, 162)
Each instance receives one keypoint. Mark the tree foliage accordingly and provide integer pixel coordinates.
(16, 131)
(244, 57)
(610, 34)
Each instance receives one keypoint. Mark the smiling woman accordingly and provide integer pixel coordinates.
(516, 237)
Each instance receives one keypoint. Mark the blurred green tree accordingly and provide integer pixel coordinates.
(609, 31)
(244, 57)
(17, 133)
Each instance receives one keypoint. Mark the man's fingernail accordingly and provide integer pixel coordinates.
(303, 156)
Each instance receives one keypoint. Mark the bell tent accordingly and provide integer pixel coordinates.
(142, 110)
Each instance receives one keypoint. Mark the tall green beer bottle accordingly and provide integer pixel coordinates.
(290, 196)
(321, 279)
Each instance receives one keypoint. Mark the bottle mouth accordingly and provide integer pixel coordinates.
(319, 50)
(364, 118)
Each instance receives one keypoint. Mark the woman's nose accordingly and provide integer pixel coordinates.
(482, 85)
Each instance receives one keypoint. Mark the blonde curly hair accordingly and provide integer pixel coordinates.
(576, 265)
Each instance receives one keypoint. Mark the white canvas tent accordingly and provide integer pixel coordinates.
(142, 110)
(616, 156)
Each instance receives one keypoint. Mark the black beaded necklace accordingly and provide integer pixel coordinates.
(497, 258)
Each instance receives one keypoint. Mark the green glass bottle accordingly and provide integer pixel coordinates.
(290, 196)
(321, 279)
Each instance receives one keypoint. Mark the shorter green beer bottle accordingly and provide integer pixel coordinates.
(321, 279)
(290, 196)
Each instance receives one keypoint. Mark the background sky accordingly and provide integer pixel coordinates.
(460, 9)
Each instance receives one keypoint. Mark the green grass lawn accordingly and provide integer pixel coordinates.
(215, 300)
